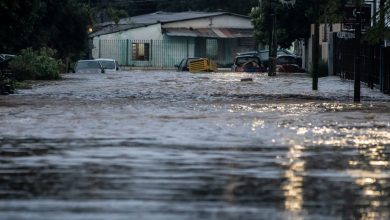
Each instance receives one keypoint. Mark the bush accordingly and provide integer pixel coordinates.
(41, 65)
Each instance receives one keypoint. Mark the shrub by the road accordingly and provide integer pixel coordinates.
(41, 65)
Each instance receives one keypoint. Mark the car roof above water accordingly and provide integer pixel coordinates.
(85, 64)
(105, 59)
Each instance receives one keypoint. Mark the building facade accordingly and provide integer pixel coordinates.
(162, 39)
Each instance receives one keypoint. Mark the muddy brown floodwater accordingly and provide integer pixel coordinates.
(167, 145)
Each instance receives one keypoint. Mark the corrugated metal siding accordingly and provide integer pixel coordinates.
(167, 53)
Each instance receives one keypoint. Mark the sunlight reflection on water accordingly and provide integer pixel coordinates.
(164, 147)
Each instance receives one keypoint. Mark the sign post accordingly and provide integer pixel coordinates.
(357, 19)
(358, 33)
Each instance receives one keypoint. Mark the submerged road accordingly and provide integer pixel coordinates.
(168, 145)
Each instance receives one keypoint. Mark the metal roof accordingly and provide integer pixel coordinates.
(166, 17)
(209, 32)
(115, 28)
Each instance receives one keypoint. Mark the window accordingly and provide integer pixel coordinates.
(140, 51)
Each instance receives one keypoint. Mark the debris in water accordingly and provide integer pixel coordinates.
(246, 80)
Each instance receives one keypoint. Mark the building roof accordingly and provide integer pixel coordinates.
(115, 28)
(209, 32)
(161, 17)
(166, 17)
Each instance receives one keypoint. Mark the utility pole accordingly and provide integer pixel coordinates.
(382, 46)
(358, 33)
(315, 46)
(272, 42)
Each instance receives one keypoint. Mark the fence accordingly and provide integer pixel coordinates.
(385, 73)
(344, 63)
(165, 53)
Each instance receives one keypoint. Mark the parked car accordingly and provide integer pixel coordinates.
(184, 63)
(109, 65)
(247, 62)
(88, 66)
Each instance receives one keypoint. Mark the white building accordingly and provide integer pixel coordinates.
(162, 39)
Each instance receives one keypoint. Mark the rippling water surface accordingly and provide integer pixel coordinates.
(151, 145)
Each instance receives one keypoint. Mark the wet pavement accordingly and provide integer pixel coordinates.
(167, 145)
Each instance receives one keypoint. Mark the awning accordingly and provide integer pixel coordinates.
(209, 32)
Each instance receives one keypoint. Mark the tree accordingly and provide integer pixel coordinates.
(61, 25)
(293, 23)
(18, 21)
(380, 30)
(234, 6)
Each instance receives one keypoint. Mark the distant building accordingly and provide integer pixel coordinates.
(162, 39)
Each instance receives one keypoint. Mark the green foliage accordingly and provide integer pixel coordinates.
(235, 6)
(41, 65)
(18, 18)
(116, 14)
(293, 23)
(137, 7)
(380, 30)
(44, 23)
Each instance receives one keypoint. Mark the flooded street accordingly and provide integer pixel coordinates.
(167, 145)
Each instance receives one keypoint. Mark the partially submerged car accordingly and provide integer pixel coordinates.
(184, 64)
(286, 61)
(109, 65)
(287, 64)
(88, 66)
(247, 62)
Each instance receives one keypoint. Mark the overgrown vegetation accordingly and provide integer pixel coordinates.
(61, 25)
(32, 65)
(380, 29)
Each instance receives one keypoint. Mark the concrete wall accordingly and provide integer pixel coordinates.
(325, 47)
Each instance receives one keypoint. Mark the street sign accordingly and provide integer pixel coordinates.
(351, 14)
(345, 35)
